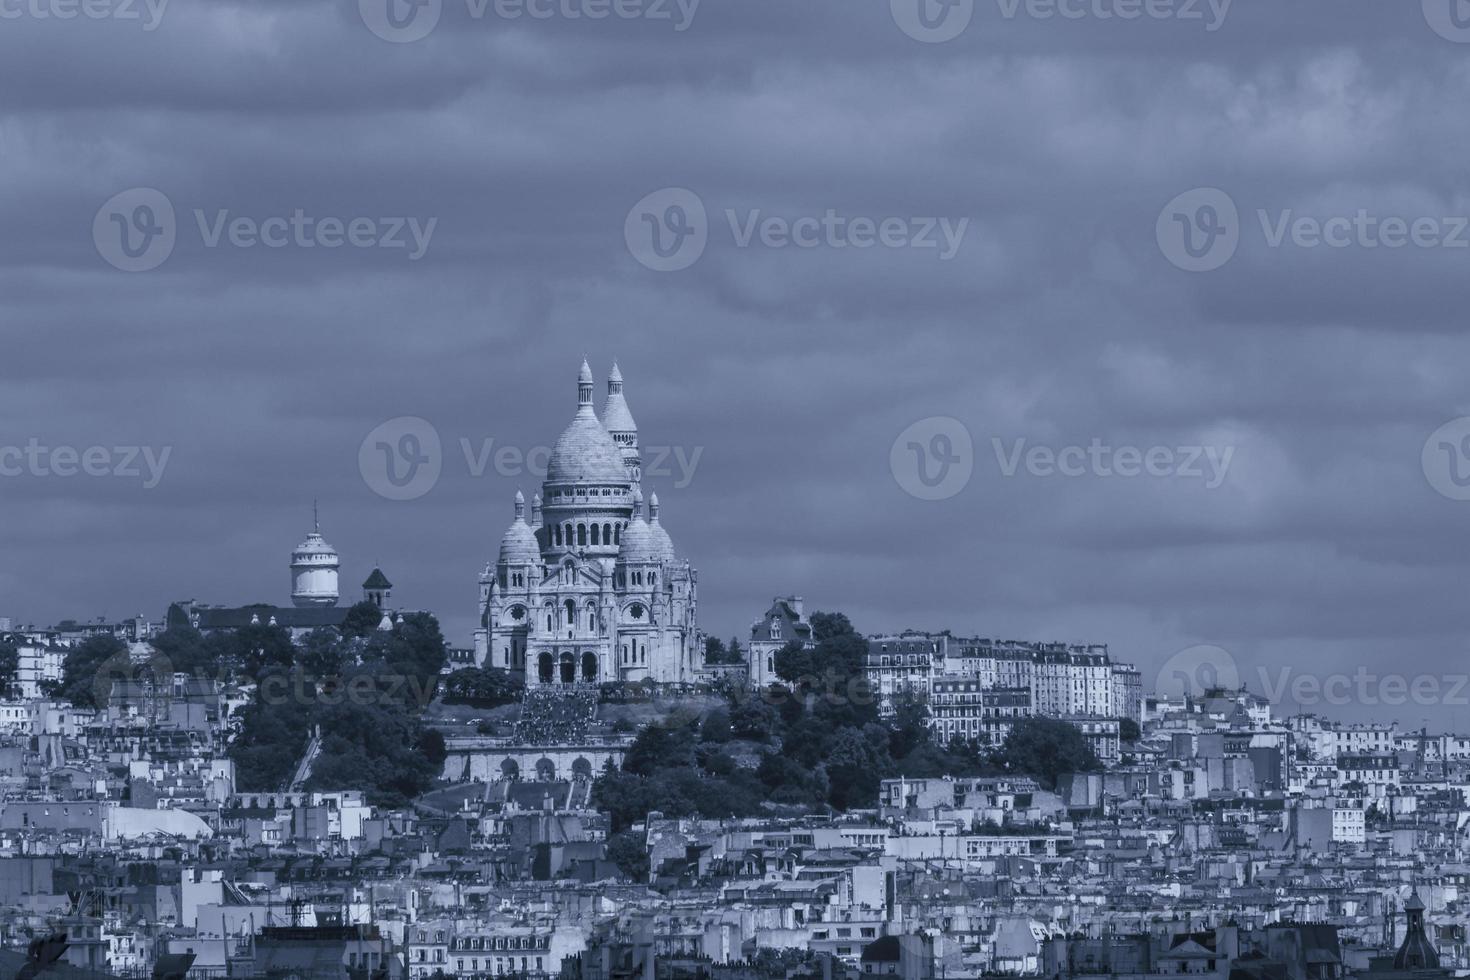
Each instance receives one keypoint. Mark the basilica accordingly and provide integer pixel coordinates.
(589, 589)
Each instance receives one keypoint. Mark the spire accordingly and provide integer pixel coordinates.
(520, 506)
(615, 380)
(584, 388)
(637, 504)
(653, 508)
(536, 510)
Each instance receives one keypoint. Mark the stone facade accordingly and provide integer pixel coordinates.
(589, 590)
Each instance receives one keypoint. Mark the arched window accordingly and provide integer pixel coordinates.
(582, 535)
(595, 535)
(618, 534)
(556, 535)
(571, 607)
(569, 533)
(607, 534)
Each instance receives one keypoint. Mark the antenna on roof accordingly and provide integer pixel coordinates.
(316, 520)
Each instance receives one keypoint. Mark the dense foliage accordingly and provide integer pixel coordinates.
(716, 651)
(483, 687)
(817, 741)
(364, 692)
(9, 666)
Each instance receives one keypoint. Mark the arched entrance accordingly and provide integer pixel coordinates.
(568, 668)
(510, 770)
(581, 768)
(544, 668)
(545, 770)
(589, 666)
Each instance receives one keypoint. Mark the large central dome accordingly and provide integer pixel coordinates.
(585, 452)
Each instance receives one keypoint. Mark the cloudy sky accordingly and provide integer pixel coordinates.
(1163, 301)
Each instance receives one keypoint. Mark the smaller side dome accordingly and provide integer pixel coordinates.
(519, 546)
(663, 544)
(639, 543)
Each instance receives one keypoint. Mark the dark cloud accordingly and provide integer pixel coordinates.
(791, 370)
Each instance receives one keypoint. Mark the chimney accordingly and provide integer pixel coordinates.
(795, 602)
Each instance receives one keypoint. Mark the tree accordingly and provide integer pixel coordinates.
(482, 687)
(187, 650)
(716, 726)
(856, 765)
(323, 652)
(828, 625)
(717, 652)
(9, 666)
(794, 661)
(629, 851)
(362, 619)
(714, 650)
(910, 724)
(1128, 730)
(1045, 748)
(85, 665)
(658, 748)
